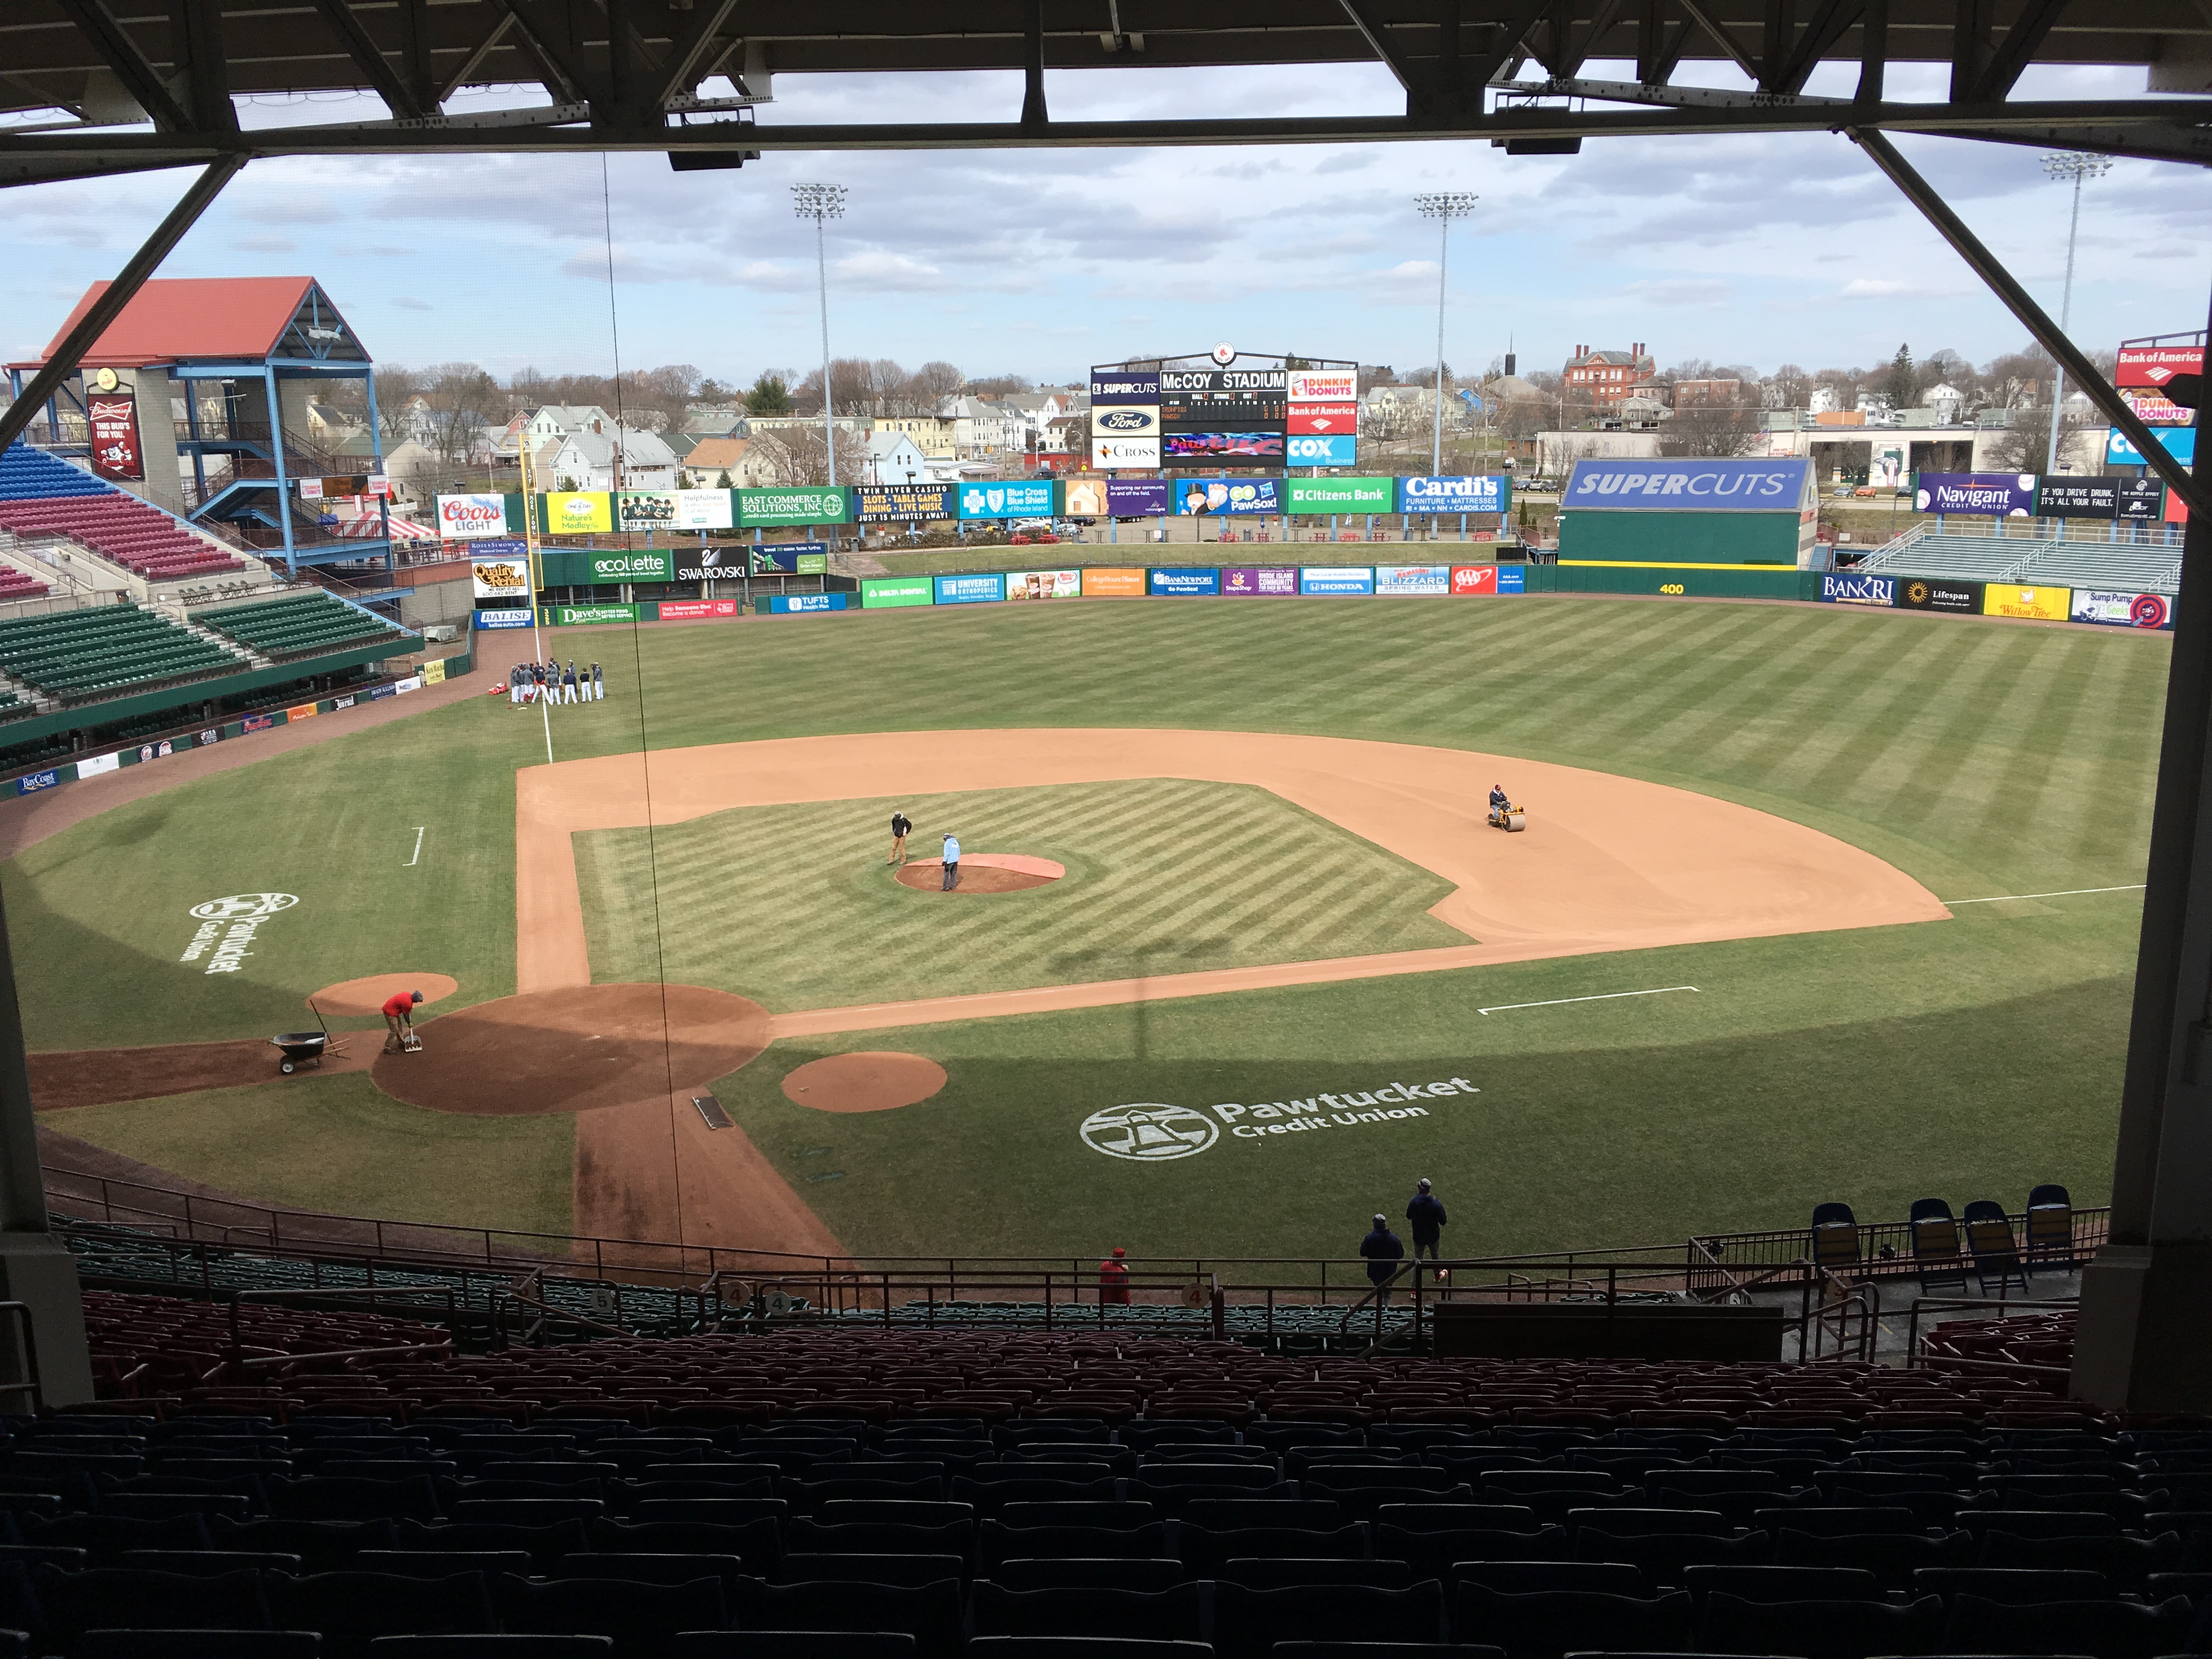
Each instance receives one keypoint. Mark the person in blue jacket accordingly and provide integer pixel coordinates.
(1426, 1212)
(1384, 1250)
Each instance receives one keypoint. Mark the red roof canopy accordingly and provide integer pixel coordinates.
(218, 317)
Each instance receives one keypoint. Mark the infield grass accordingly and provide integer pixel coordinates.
(1964, 1058)
(1164, 875)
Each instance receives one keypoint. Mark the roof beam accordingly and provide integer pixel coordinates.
(120, 53)
(474, 61)
(561, 76)
(2015, 51)
(1703, 17)
(679, 74)
(207, 72)
(368, 58)
(1819, 39)
(1373, 31)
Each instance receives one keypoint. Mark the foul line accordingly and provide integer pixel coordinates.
(1609, 996)
(418, 847)
(2071, 892)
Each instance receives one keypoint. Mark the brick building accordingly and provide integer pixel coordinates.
(1608, 376)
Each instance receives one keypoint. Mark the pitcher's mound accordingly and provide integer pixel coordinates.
(576, 1049)
(366, 996)
(983, 873)
(870, 1082)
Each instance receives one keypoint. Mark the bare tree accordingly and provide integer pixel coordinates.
(808, 462)
(1789, 387)
(933, 382)
(1715, 427)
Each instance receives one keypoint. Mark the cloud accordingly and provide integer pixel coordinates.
(1680, 291)
(408, 302)
(266, 244)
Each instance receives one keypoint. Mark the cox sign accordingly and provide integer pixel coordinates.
(467, 518)
(1338, 449)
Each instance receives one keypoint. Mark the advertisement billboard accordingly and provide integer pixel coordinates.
(1264, 582)
(2123, 609)
(1336, 579)
(636, 564)
(802, 604)
(1182, 581)
(1125, 385)
(1455, 494)
(2155, 408)
(675, 509)
(1099, 583)
(2178, 441)
(586, 615)
(1216, 497)
(1125, 421)
(887, 592)
(1022, 499)
(1413, 579)
(471, 517)
(1124, 454)
(1342, 450)
(2096, 497)
(112, 419)
(2028, 604)
(1044, 584)
(1322, 385)
(1475, 579)
(1705, 486)
(1221, 411)
(1927, 593)
(2142, 498)
(486, 621)
(1512, 579)
(1985, 495)
(2155, 366)
(646, 509)
(800, 504)
(1221, 449)
(903, 503)
(1315, 495)
(579, 512)
(1321, 420)
(1139, 498)
(501, 579)
(1849, 587)
(986, 588)
(695, 610)
(1084, 498)
(1186, 380)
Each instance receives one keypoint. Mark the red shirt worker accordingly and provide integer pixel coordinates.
(1113, 1279)
(399, 1021)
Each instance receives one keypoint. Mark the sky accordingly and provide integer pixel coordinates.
(1755, 249)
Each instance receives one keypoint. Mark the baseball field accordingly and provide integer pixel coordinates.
(1768, 940)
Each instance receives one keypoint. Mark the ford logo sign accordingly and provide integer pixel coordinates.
(1125, 420)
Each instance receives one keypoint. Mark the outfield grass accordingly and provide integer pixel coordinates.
(1164, 875)
(341, 1145)
(1966, 1058)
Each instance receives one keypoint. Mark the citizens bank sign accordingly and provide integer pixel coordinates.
(1155, 1132)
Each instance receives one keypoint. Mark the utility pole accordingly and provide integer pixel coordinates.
(821, 203)
(2062, 166)
(1443, 206)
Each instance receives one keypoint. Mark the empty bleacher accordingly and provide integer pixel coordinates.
(301, 624)
(2072, 562)
(41, 495)
(919, 1495)
(76, 655)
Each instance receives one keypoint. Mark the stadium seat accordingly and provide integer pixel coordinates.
(2108, 1629)
(109, 1598)
(199, 1645)
(792, 1645)
(505, 1646)
(930, 1614)
(1248, 1623)
(1937, 1258)
(1820, 1630)
(1167, 1615)
(353, 1608)
(641, 1618)
(1550, 1623)
(1995, 1251)
(2049, 1229)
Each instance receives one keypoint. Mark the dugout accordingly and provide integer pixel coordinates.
(1719, 528)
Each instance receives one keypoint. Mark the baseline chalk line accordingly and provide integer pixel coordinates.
(418, 847)
(1608, 996)
(2071, 892)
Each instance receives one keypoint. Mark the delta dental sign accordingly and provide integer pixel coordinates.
(1154, 1132)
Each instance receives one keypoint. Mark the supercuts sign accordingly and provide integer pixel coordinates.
(1770, 486)
(1125, 385)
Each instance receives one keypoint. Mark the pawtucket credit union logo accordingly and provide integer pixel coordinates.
(227, 927)
(1153, 1132)
(1149, 1132)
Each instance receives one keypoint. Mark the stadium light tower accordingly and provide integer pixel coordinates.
(823, 203)
(2066, 165)
(1443, 206)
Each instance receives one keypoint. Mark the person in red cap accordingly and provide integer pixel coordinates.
(399, 1021)
(1113, 1279)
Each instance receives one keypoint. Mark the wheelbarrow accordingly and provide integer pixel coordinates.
(302, 1047)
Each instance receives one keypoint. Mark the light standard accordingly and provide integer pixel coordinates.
(2067, 165)
(1443, 206)
(820, 202)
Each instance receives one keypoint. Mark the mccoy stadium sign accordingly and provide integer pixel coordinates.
(1155, 1132)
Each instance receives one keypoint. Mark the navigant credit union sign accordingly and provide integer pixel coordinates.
(1158, 1132)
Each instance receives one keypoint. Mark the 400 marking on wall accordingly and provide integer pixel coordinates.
(1155, 1132)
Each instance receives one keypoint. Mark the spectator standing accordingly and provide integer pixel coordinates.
(1113, 1279)
(1426, 1212)
(951, 862)
(902, 826)
(1384, 1250)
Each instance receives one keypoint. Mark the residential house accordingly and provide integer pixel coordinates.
(618, 458)
(753, 462)
(893, 458)
(1825, 400)
(1608, 377)
(1640, 410)
(982, 428)
(1718, 389)
(933, 434)
(1947, 400)
(715, 420)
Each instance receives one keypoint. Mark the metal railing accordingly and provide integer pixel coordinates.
(1918, 1359)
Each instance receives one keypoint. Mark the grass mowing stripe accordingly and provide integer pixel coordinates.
(2042, 760)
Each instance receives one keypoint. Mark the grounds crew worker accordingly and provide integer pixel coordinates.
(951, 863)
(1498, 799)
(399, 1021)
(901, 824)
(1113, 1279)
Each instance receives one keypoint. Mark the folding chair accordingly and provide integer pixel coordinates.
(1937, 1256)
(2049, 1229)
(1995, 1251)
(1835, 1237)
